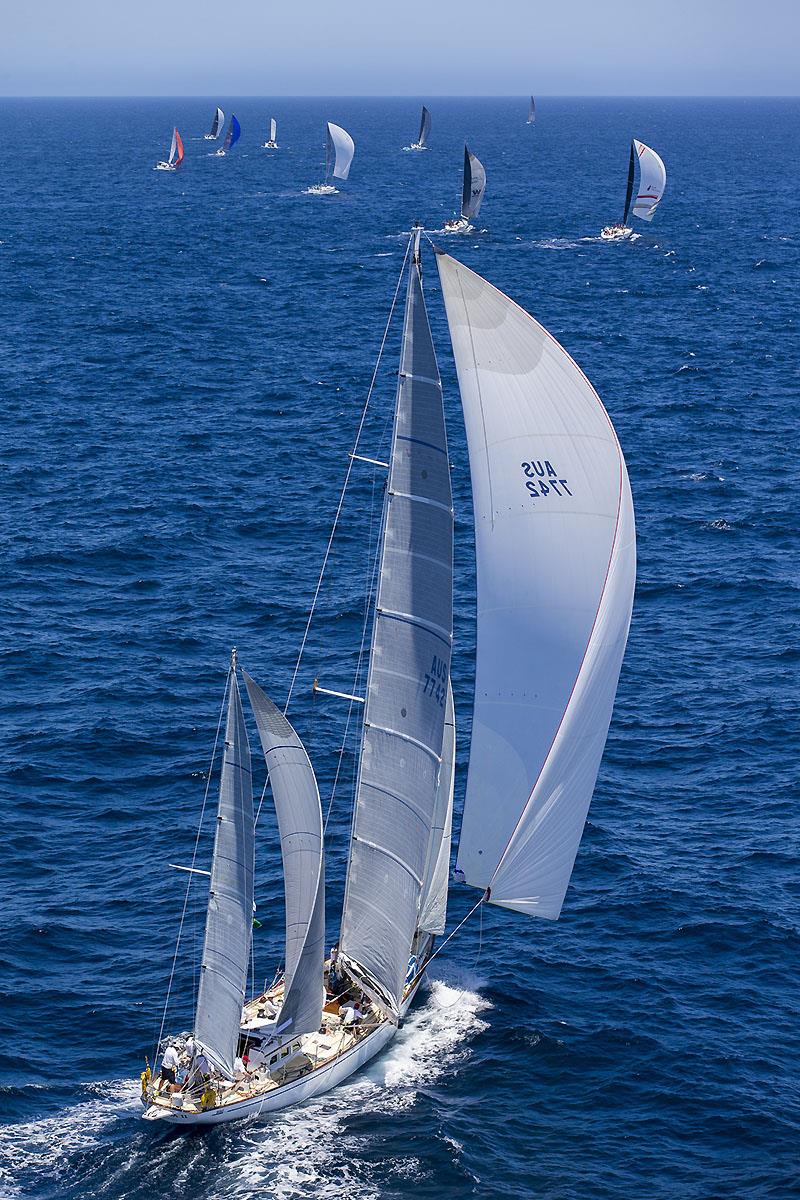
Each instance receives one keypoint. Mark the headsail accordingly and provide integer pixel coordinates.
(296, 797)
(409, 669)
(216, 124)
(474, 186)
(233, 134)
(229, 920)
(556, 563)
(532, 112)
(652, 181)
(341, 147)
(176, 149)
(433, 906)
(424, 127)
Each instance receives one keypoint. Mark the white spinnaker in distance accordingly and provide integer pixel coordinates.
(343, 148)
(433, 906)
(556, 565)
(652, 182)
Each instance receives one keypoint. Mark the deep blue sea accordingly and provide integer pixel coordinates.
(185, 358)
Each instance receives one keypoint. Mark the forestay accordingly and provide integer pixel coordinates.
(433, 908)
(340, 147)
(296, 798)
(229, 920)
(409, 669)
(555, 549)
(474, 186)
(652, 181)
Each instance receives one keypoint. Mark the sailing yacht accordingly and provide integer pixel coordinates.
(471, 195)
(555, 548)
(532, 112)
(231, 137)
(424, 129)
(216, 126)
(339, 151)
(270, 143)
(652, 182)
(175, 154)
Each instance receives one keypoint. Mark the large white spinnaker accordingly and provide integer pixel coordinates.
(229, 919)
(296, 797)
(433, 905)
(474, 186)
(340, 147)
(409, 669)
(652, 181)
(556, 563)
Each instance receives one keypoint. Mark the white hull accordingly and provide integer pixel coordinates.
(270, 146)
(322, 189)
(210, 137)
(220, 153)
(415, 146)
(615, 233)
(165, 166)
(461, 225)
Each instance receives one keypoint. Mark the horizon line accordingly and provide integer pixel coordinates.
(403, 96)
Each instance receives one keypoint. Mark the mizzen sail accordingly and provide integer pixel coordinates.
(401, 750)
(296, 797)
(556, 562)
(229, 919)
(340, 147)
(474, 186)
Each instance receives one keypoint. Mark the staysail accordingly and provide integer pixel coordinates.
(532, 112)
(409, 669)
(340, 148)
(296, 797)
(556, 564)
(433, 905)
(474, 186)
(652, 181)
(424, 127)
(229, 919)
(176, 149)
(216, 124)
(233, 135)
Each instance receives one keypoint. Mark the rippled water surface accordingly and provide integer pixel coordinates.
(186, 357)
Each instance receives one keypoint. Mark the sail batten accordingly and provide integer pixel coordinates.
(229, 917)
(555, 550)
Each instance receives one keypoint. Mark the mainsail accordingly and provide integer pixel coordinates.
(296, 798)
(652, 181)
(340, 147)
(433, 905)
(556, 563)
(176, 149)
(216, 124)
(233, 134)
(409, 669)
(229, 920)
(273, 129)
(532, 112)
(474, 186)
(424, 127)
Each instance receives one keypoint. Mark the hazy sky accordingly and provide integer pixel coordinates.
(415, 47)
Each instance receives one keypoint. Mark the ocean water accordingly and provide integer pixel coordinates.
(185, 359)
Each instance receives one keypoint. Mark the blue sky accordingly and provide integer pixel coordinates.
(416, 47)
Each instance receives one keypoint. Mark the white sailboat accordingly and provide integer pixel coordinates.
(339, 151)
(555, 547)
(271, 143)
(424, 129)
(175, 154)
(217, 122)
(652, 182)
(532, 112)
(472, 194)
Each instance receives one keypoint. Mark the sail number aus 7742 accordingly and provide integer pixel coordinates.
(541, 478)
(436, 680)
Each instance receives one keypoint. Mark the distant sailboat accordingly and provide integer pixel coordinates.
(175, 154)
(652, 182)
(471, 195)
(556, 562)
(339, 151)
(216, 126)
(532, 112)
(424, 129)
(231, 137)
(271, 144)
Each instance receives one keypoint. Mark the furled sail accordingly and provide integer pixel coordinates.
(340, 147)
(229, 920)
(176, 149)
(474, 186)
(433, 907)
(273, 129)
(424, 127)
(652, 181)
(556, 564)
(296, 797)
(401, 749)
(216, 124)
(532, 112)
(233, 134)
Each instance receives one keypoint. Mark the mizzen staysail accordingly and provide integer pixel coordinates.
(397, 787)
(229, 919)
(556, 561)
(474, 186)
(296, 797)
